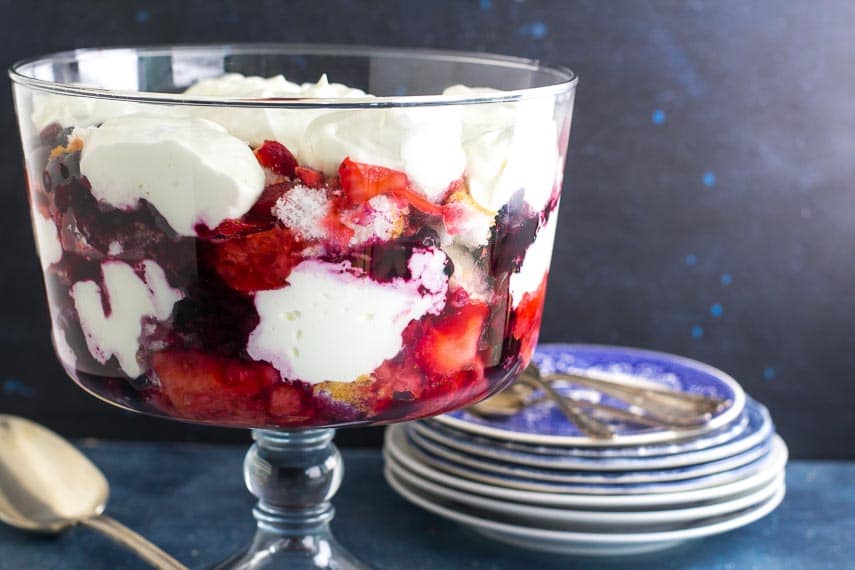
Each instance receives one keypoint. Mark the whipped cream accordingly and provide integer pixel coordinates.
(116, 332)
(509, 146)
(190, 169)
(257, 125)
(424, 143)
(49, 108)
(535, 263)
(47, 238)
(332, 323)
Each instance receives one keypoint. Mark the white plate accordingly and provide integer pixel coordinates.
(536, 474)
(755, 430)
(764, 471)
(591, 543)
(570, 519)
(397, 435)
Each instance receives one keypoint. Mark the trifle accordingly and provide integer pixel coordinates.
(225, 243)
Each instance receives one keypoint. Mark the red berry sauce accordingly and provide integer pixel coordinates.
(196, 365)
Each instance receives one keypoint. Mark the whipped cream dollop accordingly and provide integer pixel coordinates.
(509, 146)
(190, 169)
(116, 332)
(332, 323)
(425, 143)
(536, 262)
(49, 108)
(257, 125)
(47, 239)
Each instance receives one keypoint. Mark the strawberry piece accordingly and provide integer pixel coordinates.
(262, 207)
(201, 385)
(338, 234)
(227, 228)
(254, 262)
(450, 392)
(396, 381)
(258, 217)
(451, 344)
(291, 403)
(402, 391)
(309, 176)
(526, 321)
(361, 182)
(285, 400)
(276, 157)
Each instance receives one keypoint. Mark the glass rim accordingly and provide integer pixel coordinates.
(565, 79)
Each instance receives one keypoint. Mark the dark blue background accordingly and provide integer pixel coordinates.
(709, 206)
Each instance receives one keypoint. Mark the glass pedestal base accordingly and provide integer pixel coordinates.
(294, 475)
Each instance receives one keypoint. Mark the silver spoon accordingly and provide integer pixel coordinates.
(47, 485)
(590, 426)
(642, 394)
(512, 400)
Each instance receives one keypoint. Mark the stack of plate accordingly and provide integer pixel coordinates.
(535, 481)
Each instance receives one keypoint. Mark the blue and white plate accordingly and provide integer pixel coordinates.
(397, 449)
(397, 437)
(714, 438)
(758, 428)
(544, 424)
(525, 473)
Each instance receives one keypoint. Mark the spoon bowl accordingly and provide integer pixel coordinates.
(48, 485)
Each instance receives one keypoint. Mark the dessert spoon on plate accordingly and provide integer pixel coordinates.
(650, 403)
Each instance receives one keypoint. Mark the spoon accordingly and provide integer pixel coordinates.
(589, 425)
(517, 397)
(47, 485)
(642, 394)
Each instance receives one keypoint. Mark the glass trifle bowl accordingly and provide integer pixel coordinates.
(293, 239)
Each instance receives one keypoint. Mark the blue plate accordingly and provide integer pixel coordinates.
(720, 436)
(770, 451)
(538, 474)
(757, 427)
(544, 424)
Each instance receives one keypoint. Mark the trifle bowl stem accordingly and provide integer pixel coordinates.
(294, 474)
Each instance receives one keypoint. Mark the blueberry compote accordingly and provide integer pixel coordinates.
(192, 355)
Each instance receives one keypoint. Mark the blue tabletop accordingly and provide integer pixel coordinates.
(190, 499)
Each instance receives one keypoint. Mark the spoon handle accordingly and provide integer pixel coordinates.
(666, 402)
(590, 426)
(123, 535)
